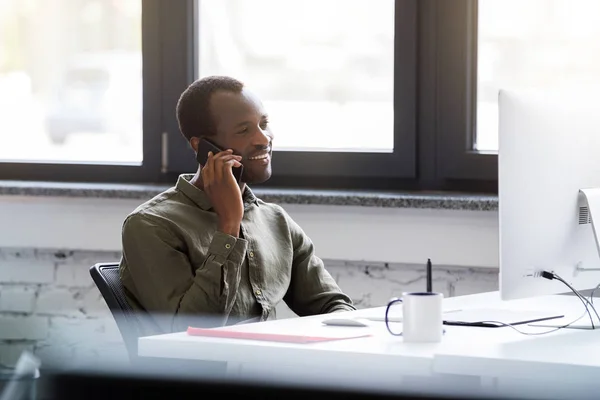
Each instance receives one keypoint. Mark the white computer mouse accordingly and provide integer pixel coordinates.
(344, 322)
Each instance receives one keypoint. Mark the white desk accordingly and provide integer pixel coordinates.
(488, 353)
(560, 362)
(386, 356)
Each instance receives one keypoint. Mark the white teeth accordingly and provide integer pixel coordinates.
(259, 157)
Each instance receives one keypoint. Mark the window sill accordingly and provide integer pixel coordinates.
(433, 200)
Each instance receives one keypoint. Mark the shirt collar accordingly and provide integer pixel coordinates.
(199, 197)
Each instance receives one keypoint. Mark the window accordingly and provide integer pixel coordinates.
(532, 44)
(338, 86)
(362, 94)
(484, 46)
(71, 81)
(460, 164)
(328, 86)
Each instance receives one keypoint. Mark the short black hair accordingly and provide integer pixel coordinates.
(193, 111)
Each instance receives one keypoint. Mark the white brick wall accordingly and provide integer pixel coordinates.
(72, 275)
(17, 299)
(23, 327)
(25, 271)
(50, 305)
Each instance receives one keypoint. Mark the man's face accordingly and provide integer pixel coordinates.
(241, 124)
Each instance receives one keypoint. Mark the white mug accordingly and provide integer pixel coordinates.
(421, 316)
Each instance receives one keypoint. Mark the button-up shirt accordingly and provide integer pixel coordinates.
(178, 267)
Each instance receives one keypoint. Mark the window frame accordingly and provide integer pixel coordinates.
(434, 118)
(149, 170)
(336, 169)
(459, 165)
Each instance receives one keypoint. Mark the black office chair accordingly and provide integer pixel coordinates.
(133, 324)
(129, 321)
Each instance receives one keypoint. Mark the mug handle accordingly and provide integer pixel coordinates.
(387, 310)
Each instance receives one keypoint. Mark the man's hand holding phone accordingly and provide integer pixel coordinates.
(223, 190)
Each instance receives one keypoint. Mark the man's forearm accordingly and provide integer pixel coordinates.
(230, 228)
(341, 308)
(211, 296)
(209, 300)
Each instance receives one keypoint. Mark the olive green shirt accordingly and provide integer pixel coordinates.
(180, 269)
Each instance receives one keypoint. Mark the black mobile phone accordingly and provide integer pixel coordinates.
(205, 146)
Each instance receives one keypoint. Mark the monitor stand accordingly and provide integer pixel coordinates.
(590, 205)
(591, 199)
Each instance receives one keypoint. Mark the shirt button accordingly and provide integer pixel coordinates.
(258, 292)
(227, 246)
(251, 254)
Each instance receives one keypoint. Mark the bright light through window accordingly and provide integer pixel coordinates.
(71, 81)
(533, 44)
(323, 68)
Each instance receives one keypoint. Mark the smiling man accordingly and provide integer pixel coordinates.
(208, 252)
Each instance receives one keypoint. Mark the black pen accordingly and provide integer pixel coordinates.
(429, 279)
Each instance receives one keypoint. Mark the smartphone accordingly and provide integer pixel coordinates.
(205, 146)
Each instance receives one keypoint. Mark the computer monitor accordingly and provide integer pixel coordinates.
(549, 149)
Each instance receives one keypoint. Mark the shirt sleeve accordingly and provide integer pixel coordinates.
(312, 289)
(169, 287)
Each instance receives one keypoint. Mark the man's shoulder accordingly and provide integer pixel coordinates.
(278, 213)
(271, 208)
(157, 208)
(279, 216)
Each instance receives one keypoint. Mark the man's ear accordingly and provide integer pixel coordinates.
(194, 143)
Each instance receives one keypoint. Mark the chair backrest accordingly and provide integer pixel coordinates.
(129, 321)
